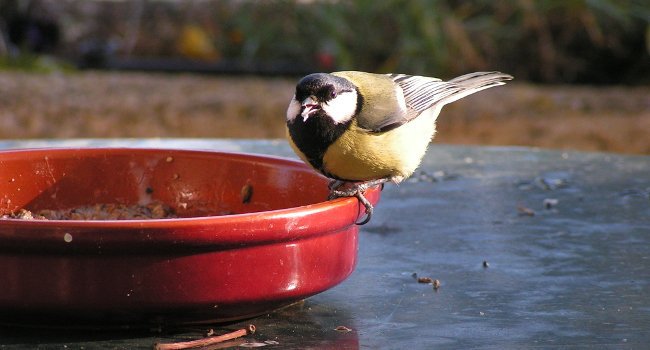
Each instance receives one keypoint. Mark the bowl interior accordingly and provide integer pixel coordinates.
(191, 183)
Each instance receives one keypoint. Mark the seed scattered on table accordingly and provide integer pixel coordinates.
(436, 284)
(525, 211)
(343, 329)
(550, 203)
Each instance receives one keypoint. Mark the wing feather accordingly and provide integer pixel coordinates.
(422, 93)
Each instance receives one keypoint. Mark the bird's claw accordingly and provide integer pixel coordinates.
(357, 191)
(369, 208)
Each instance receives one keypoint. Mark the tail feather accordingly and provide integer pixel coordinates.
(422, 93)
(468, 84)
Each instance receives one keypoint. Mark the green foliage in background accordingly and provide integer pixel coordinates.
(583, 41)
(34, 64)
(595, 41)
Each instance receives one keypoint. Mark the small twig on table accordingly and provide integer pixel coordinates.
(206, 341)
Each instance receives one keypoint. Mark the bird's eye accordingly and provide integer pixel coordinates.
(333, 94)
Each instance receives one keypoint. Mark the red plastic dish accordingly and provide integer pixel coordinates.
(284, 243)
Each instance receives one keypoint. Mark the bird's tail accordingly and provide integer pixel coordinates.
(465, 85)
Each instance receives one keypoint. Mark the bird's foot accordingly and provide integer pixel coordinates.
(335, 185)
(356, 190)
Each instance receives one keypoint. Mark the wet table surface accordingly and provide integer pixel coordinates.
(533, 249)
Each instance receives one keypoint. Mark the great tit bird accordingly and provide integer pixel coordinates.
(363, 129)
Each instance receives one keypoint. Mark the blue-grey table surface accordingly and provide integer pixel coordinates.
(565, 235)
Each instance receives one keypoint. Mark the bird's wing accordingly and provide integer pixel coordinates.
(383, 101)
(418, 91)
(422, 93)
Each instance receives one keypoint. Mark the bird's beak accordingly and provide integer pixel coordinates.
(308, 107)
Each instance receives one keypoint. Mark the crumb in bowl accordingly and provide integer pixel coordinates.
(106, 211)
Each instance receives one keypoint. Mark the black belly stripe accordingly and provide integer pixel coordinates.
(314, 136)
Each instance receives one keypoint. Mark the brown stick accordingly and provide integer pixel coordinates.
(205, 341)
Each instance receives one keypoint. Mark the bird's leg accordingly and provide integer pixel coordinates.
(337, 192)
(335, 185)
(356, 190)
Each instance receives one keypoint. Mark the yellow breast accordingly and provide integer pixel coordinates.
(360, 155)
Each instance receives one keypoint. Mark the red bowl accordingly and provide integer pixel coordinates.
(283, 243)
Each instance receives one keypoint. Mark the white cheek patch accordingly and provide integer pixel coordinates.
(342, 108)
(293, 110)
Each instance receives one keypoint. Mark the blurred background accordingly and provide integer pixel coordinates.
(209, 68)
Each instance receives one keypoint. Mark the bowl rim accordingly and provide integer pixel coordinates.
(236, 229)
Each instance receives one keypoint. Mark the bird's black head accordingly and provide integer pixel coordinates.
(322, 94)
(323, 86)
(320, 112)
